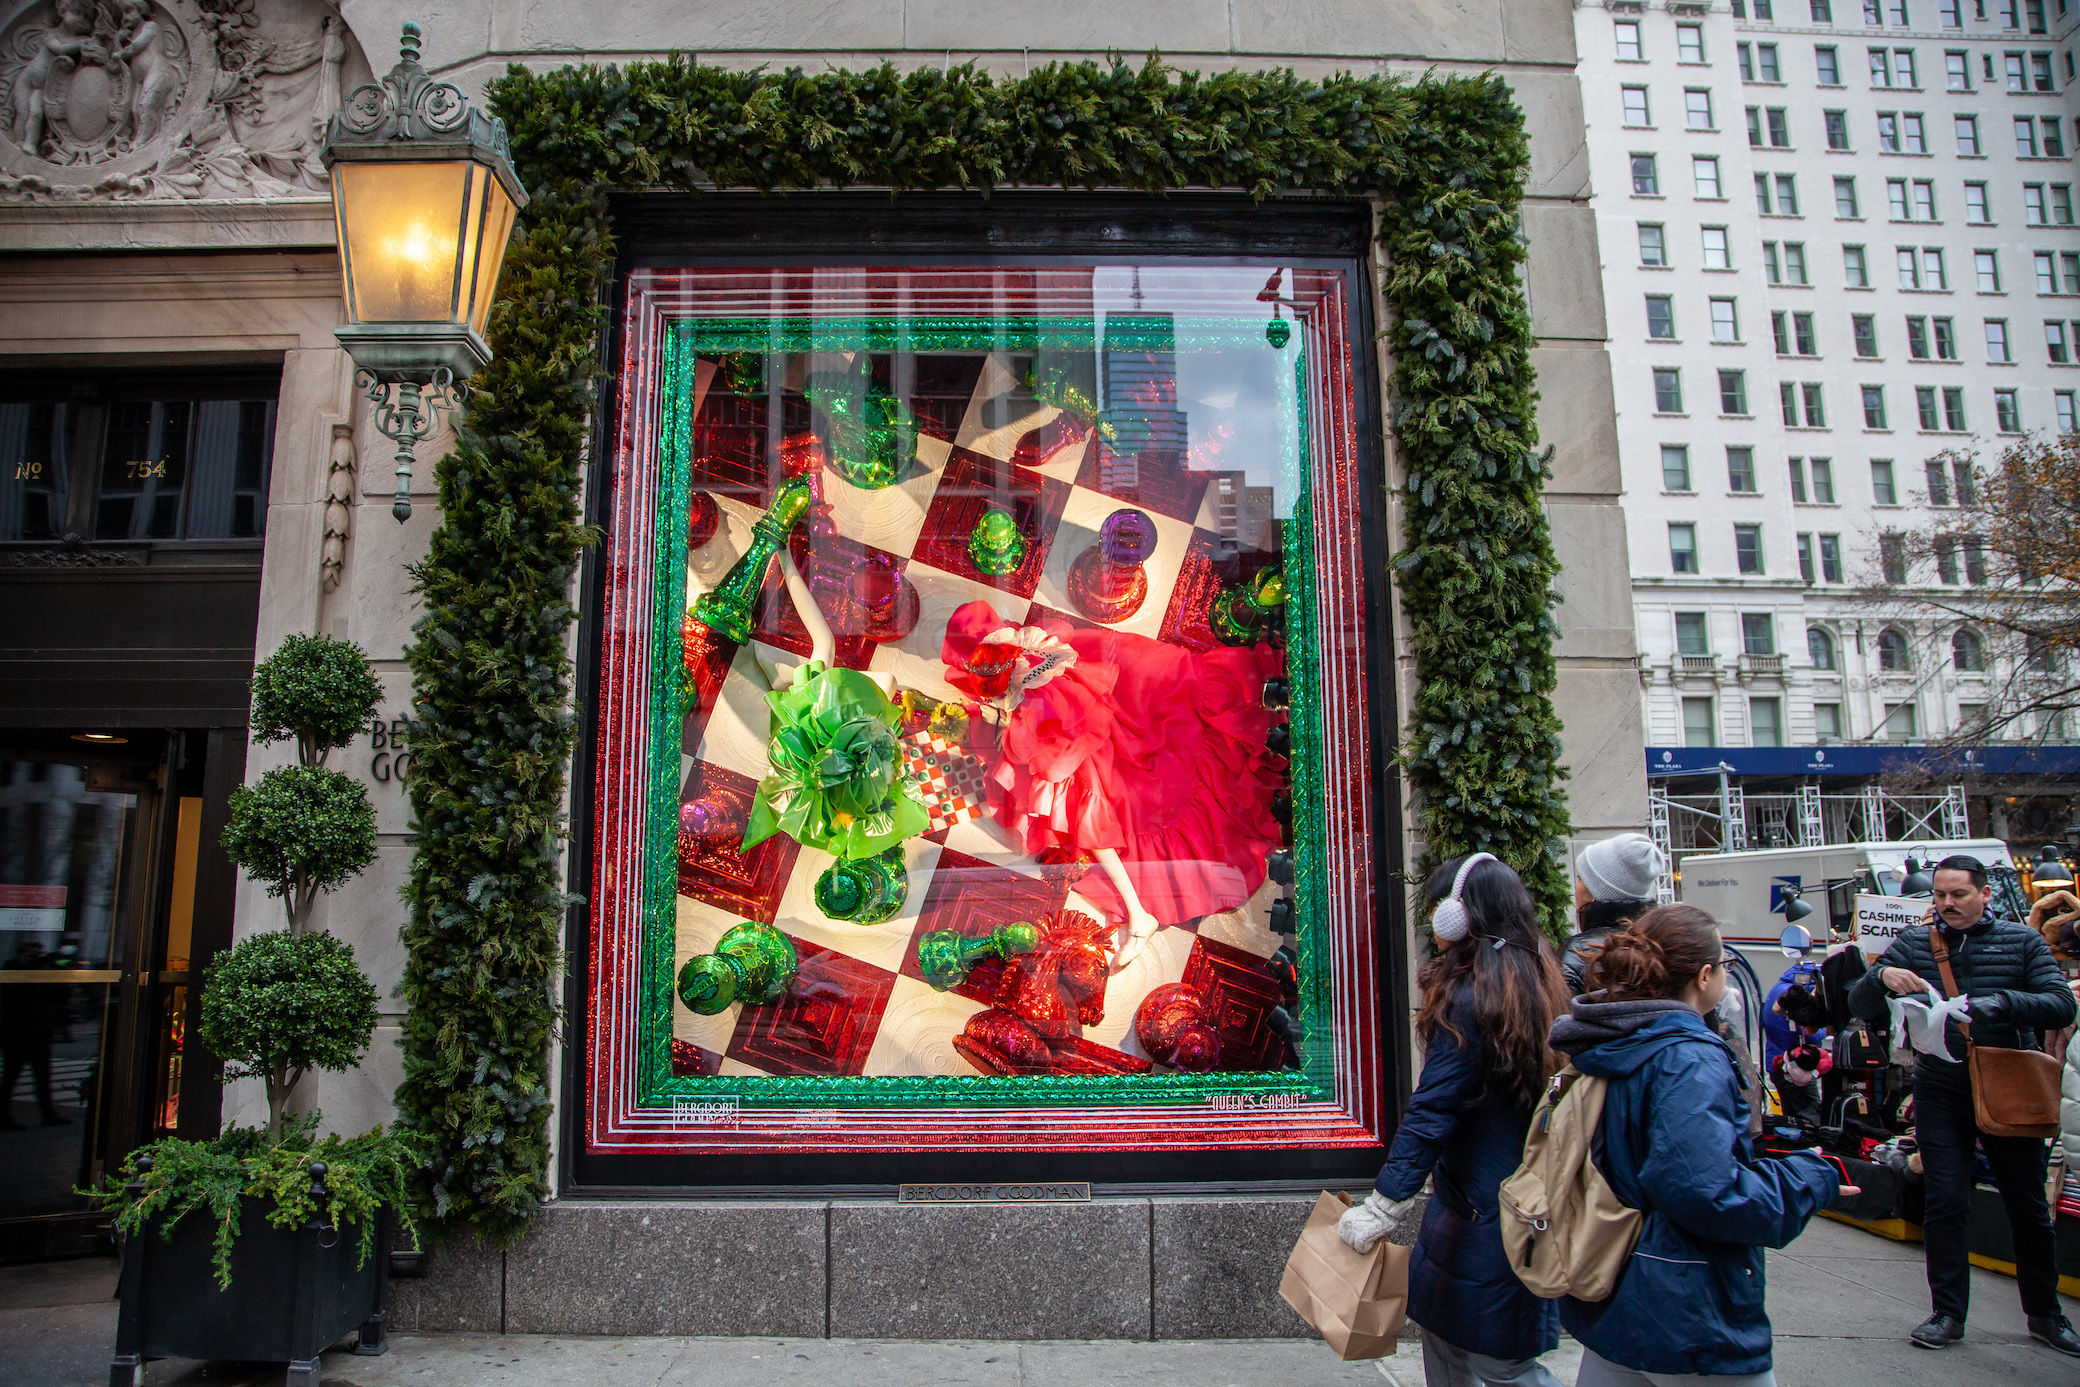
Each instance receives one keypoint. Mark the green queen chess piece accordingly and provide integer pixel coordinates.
(865, 891)
(727, 610)
(754, 964)
(945, 957)
(995, 544)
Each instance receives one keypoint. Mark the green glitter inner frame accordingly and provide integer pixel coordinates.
(657, 1087)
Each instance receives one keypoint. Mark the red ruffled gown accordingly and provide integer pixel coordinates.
(1140, 746)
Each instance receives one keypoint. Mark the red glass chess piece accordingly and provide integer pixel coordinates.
(703, 519)
(888, 601)
(1174, 1029)
(718, 816)
(1108, 581)
(1044, 1001)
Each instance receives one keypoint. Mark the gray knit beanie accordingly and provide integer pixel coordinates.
(1620, 868)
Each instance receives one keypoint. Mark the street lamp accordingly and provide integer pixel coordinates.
(424, 196)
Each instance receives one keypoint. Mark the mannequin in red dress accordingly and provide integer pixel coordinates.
(1146, 756)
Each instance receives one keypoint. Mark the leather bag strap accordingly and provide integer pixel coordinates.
(1942, 953)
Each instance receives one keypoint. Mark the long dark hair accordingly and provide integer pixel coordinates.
(1517, 987)
(1656, 956)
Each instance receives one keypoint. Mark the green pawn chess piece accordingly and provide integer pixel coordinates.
(872, 434)
(1248, 610)
(754, 964)
(727, 610)
(866, 891)
(995, 544)
(945, 957)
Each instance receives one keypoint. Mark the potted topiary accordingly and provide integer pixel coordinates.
(293, 1251)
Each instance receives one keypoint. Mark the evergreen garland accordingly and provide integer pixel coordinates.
(493, 729)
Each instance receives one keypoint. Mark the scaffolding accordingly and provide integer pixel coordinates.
(1732, 820)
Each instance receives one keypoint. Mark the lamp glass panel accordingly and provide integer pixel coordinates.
(402, 224)
(494, 225)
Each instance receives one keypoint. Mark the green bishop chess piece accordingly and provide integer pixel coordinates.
(754, 964)
(727, 610)
(995, 544)
(945, 957)
(865, 891)
(1251, 609)
(871, 434)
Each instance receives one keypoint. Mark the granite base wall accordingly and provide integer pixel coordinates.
(1159, 1267)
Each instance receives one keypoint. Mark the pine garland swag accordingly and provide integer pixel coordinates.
(493, 729)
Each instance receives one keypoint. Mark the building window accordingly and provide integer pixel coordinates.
(1975, 561)
(1823, 481)
(1661, 316)
(1692, 634)
(1946, 560)
(2067, 403)
(1718, 248)
(1925, 410)
(1946, 339)
(1726, 323)
(1765, 722)
(1733, 392)
(1827, 722)
(1997, 350)
(1967, 652)
(1803, 337)
(1635, 99)
(1831, 558)
(1805, 557)
(1917, 339)
(1697, 107)
(1704, 175)
(1653, 249)
(1909, 267)
(1827, 68)
(1766, 63)
(1798, 494)
(1934, 273)
(1795, 263)
(1892, 649)
(2026, 136)
(2007, 414)
(1646, 176)
(1740, 469)
(2033, 206)
(1682, 548)
(1690, 43)
(1758, 633)
(1845, 199)
(1888, 132)
(1819, 648)
(1967, 128)
(1864, 328)
(2062, 204)
(1873, 406)
(2055, 343)
(1697, 723)
(1837, 123)
(1961, 474)
(1986, 264)
(1902, 722)
(1628, 40)
(1971, 718)
(1977, 211)
(1668, 390)
(1953, 408)
(1883, 491)
(1787, 195)
(1747, 548)
(1779, 126)
(1957, 71)
(1856, 272)
(1938, 484)
(1675, 467)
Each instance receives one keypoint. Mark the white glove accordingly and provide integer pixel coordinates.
(1364, 1224)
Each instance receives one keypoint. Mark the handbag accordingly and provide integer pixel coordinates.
(1356, 1300)
(2014, 1092)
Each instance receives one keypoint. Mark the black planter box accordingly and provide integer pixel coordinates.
(294, 1293)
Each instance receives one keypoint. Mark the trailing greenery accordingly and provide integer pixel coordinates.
(316, 690)
(278, 1005)
(363, 1176)
(1444, 156)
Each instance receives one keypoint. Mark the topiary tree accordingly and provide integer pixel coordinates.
(303, 829)
(280, 1004)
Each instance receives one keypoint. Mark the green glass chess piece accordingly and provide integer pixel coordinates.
(945, 957)
(1244, 613)
(995, 544)
(754, 964)
(865, 891)
(871, 433)
(727, 610)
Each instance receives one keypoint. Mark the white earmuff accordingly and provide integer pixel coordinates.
(1450, 923)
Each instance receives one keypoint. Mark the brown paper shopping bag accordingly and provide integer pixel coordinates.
(1356, 1300)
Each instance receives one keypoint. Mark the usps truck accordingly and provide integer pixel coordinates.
(1746, 891)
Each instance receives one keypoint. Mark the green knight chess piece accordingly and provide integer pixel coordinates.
(995, 544)
(1251, 609)
(754, 964)
(865, 891)
(727, 610)
(945, 957)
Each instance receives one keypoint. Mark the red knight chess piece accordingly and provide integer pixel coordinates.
(1044, 1001)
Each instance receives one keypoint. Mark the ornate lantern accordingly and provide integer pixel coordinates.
(424, 196)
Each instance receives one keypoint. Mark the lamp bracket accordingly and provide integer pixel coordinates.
(407, 409)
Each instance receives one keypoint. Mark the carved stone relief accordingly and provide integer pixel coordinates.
(170, 99)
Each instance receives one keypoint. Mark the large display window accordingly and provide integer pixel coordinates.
(987, 715)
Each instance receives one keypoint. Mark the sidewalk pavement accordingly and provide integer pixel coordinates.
(1842, 1302)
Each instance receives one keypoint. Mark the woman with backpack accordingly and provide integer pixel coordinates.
(1689, 1304)
(1489, 996)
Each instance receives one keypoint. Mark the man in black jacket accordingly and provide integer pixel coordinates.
(2016, 994)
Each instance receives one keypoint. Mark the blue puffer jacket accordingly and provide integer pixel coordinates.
(1675, 1144)
(1460, 1286)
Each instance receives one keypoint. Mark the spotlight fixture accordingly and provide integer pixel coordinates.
(1279, 740)
(1279, 866)
(100, 738)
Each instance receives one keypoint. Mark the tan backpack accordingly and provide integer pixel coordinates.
(1566, 1230)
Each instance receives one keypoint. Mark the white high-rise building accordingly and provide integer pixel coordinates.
(1838, 242)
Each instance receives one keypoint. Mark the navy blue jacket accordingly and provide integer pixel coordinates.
(1675, 1144)
(1460, 1286)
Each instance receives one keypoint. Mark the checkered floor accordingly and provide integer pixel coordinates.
(859, 1005)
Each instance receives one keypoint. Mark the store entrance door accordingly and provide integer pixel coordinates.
(94, 925)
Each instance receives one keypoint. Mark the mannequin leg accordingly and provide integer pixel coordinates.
(1141, 926)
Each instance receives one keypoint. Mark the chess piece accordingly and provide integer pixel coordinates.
(713, 817)
(703, 519)
(946, 956)
(865, 891)
(887, 600)
(1278, 332)
(1108, 581)
(1174, 1029)
(995, 544)
(1044, 1000)
(872, 433)
(1252, 609)
(754, 964)
(727, 610)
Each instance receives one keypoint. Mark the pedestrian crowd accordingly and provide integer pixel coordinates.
(1635, 1014)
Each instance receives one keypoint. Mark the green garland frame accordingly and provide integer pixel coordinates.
(494, 729)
